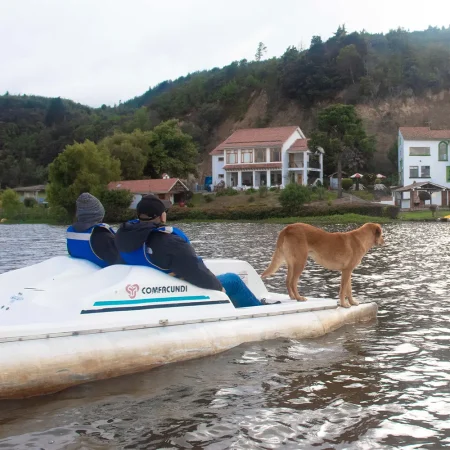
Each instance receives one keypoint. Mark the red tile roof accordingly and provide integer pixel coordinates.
(300, 145)
(256, 137)
(155, 186)
(423, 133)
(258, 166)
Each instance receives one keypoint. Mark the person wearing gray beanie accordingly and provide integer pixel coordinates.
(90, 212)
(89, 238)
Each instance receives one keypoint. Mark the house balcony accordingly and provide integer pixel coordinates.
(296, 165)
(315, 165)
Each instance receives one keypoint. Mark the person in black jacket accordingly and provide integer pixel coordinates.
(169, 250)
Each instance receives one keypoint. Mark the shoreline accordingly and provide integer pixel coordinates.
(336, 219)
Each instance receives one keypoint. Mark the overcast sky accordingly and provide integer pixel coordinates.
(103, 51)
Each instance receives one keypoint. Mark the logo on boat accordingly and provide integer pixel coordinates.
(132, 290)
(163, 289)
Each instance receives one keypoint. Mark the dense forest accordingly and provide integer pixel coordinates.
(353, 67)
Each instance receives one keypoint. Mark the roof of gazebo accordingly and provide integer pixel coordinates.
(422, 186)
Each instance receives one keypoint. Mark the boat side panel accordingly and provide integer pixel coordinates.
(43, 366)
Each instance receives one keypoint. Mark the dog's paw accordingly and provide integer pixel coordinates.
(300, 298)
(354, 302)
(345, 304)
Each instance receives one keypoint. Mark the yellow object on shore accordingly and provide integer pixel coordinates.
(447, 217)
(3, 220)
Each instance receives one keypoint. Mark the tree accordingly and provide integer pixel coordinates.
(131, 149)
(56, 112)
(393, 155)
(348, 60)
(260, 51)
(80, 168)
(341, 134)
(171, 151)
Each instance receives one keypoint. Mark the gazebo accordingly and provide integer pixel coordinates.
(407, 197)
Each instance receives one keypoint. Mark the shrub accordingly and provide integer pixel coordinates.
(227, 191)
(209, 198)
(250, 191)
(29, 202)
(190, 204)
(347, 183)
(263, 191)
(251, 199)
(10, 203)
(255, 212)
(273, 189)
(294, 195)
(116, 204)
(59, 214)
(321, 193)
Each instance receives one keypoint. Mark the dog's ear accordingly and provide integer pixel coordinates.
(377, 231)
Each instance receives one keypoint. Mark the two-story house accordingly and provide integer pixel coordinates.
(423, 157)
(266, 157)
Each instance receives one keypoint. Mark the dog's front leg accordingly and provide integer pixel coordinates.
(343, 292)
(352, 300)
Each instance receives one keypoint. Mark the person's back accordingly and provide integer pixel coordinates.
(88, 238)
(147, 241)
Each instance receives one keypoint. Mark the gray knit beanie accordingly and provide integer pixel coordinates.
(90, 212)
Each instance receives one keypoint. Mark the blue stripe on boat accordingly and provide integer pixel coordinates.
(149, 300)
(167, 305)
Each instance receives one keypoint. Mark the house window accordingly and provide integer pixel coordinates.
(443, 151)
(260, 155)
(220, 175)
(419, 151)
(247, 178)
(232, 157)
(247, 156)
(234, 178)
(413, 171)
(220, 158)
(425, 171)
(275, 155)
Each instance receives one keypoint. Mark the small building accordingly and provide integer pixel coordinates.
(172, 189)
(334, 179)
(37, 192)
(257, 157)
(407, 197)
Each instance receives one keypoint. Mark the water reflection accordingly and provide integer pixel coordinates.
(378, 385)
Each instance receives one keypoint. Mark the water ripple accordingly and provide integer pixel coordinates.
(378, 385)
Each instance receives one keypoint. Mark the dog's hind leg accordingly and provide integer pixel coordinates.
(295, 269)
(345, 286)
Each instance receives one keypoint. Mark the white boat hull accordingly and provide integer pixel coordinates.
(48, 344)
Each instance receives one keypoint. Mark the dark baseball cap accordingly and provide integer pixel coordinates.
(152, 206)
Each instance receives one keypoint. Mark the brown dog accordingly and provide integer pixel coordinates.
(334, 251)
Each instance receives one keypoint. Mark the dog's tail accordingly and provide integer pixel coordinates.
(277, 258)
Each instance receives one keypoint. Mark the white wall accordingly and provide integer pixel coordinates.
(217, 168)
(297, 134)
(438, 169)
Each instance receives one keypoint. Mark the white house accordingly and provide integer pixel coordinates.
(266, 157)
(423, 156)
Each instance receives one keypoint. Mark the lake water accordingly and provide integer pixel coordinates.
(384, 384)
